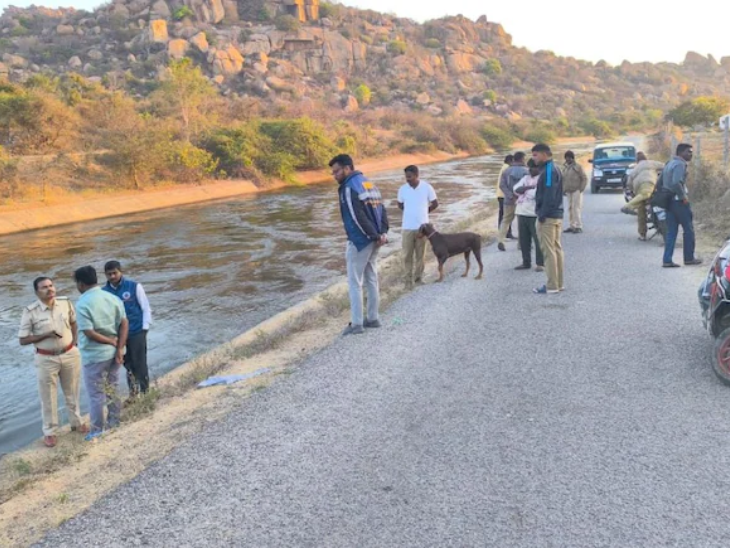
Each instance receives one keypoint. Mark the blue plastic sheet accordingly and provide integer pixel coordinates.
(231, 379)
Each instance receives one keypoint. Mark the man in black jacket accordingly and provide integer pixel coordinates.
(549, 209)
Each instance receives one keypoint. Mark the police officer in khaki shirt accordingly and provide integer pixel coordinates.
(50, 325)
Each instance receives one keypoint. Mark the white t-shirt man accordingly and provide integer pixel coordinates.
(416, 202)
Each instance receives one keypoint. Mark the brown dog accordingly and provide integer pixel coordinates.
(447, 245)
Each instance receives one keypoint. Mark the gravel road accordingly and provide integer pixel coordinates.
(481, 415)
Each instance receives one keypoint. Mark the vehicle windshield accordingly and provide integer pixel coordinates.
(614, 154)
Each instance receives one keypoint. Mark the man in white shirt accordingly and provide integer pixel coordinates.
(416, 199)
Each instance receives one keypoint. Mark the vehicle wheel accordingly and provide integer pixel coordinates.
(595, 189)
(721, 357)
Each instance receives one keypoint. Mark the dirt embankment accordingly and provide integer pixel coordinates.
(19, 218)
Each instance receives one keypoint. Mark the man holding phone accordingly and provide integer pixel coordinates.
(50, 325)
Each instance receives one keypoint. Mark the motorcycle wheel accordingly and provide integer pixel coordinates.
(721, 356)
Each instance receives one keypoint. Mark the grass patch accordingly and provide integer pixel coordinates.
(21, 467)
(142, 406)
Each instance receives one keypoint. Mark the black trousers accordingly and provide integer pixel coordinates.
(501, 216)
(527, 227)
(135, 362)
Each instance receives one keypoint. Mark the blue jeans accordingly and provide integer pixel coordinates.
(101, 385)
(679, 214)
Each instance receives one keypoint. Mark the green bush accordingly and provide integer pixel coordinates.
(433, 43)
(363, 95)
(346, 33)
(303, 139)
(497, 137)
(465, 136)
(699, 111)
(264, 14)
(490, 95)
(397, 47)
(330, 11)
(287, 23)
(492, 67)
(540, 135)
(239, 151)
(187, 163)
(366, 39)
(597, 128)
(182, 12)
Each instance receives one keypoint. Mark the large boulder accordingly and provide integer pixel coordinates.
(280, 85)
(200, 41)
(95, 55)
(4, 71)
(257, 43)
(463, 108)
(158, 31)
(15, 61)
(65, 30)
(226, 62)
(75, 62)
(161, 9)
(217, 11)
(176, 49)
(351, 104)
(460, 62)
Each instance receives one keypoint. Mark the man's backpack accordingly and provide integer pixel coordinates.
(661, 197)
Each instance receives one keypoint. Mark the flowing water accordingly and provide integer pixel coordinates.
(212, 271)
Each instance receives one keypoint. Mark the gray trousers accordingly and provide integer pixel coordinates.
(362, 267)
(101, 385)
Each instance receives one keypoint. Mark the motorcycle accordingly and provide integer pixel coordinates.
(656, 217)
(714, 297)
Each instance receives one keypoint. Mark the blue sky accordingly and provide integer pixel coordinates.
(637, 31)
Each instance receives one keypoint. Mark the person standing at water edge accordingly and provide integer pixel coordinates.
(366, 226)
(511, 176)
(575, 181)
(416, 199)
(50, 325)
(674, 179)
(139, 316)
(549, 210)
(500, 195)
(103, 329)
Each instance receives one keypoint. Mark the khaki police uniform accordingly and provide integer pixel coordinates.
(56, 358)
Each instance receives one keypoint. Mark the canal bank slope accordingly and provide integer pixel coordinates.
(21, 218)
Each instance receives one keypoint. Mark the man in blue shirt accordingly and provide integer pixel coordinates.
(102, 325)
(139, 315)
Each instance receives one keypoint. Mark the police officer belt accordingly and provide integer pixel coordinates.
(54, 352)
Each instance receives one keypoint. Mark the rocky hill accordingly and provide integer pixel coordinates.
(298, 50)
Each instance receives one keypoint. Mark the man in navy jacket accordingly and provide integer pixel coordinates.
(549, 209)
(366, 225)
(139, 314)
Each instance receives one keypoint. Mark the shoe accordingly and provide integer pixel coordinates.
(545, 291)
(670, 265)
(539, 268)
(49, 441)
(642, 238)
(83, 429)
(112, 425)
(523, 267)
(693, 262)
(418, 281)
(375, 324)
(91, 436)
(511, 237)
(577, 231)
(561, 289)
(569, 231)
(626, 210)
(501, 247)
(353, 330)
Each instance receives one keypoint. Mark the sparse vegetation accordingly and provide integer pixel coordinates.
(287, 23)
(397, 47)
(700, 111)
